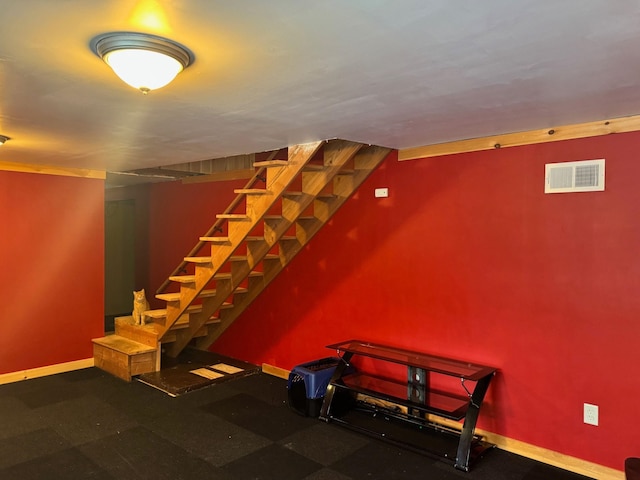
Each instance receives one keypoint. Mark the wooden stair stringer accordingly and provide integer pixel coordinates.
(209, 307)
(367, 160)
(259, 176)
(337, 155)
(277, 183)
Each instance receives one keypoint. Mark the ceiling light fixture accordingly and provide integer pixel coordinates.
(3, 139)
(144, 61)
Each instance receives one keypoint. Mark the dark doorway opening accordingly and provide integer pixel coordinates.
(120, 259)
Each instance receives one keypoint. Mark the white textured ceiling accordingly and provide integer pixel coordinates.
(268, 74)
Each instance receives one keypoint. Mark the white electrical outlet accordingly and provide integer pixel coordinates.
(591, 414)
(381, 192)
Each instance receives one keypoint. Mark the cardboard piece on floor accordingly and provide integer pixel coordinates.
(206, 373)
(223, 367)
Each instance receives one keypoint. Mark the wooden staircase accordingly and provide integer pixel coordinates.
(277, 213)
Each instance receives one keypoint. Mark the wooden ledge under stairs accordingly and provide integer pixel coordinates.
(293, 194)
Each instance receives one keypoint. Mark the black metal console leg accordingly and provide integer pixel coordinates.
(325, 411)
(469, 426)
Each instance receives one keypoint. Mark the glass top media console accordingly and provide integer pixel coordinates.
(393, 393)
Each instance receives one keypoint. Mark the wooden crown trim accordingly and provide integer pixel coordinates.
(52, 170)
(564, 132)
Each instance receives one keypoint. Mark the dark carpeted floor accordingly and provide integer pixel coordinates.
(90, 425)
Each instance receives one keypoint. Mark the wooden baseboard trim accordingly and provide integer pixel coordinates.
(539, 454)
(553, 134)
(44, 371)
(275, 371)
(556, 459)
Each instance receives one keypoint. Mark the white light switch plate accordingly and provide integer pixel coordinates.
(381, 192)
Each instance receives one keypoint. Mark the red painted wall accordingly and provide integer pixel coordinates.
(469, 258)
(179, 214)
(52, 280)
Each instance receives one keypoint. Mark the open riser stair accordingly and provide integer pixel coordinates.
(292, 195)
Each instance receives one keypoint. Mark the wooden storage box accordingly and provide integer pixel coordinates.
(124, 358)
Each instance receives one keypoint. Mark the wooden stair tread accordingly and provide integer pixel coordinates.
(233, 216)
(183, 278)
(162, 312)
(255, 238)
(184, 323)
(130, 322)
(224, 305)
(252, 191)
(194, 308)
(293, 194)
(271, 163)
(158, 313)
(173, 297)
(215, 239)
(123, 345)
(168, 297)
(198, 259)
(226, 275)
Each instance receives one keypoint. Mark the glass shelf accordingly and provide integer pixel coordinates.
(440, 403)
(445, 366)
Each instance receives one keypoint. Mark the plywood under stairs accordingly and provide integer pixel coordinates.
(195, 369)
(292, 195)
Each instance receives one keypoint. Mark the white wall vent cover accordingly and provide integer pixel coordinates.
(583, 176)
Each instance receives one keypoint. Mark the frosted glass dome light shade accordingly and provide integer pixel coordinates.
(145, 62)
(143, 69)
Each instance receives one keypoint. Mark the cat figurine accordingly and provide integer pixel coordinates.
(140, 305)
